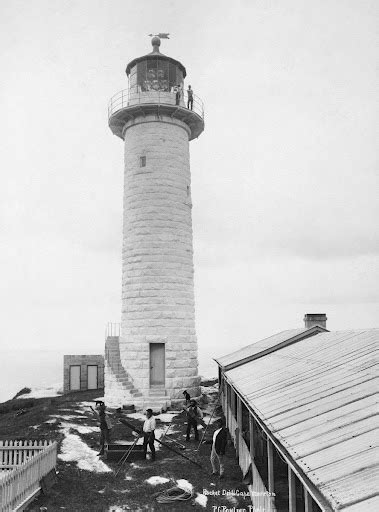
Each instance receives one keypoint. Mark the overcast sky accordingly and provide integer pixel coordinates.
(284, 177)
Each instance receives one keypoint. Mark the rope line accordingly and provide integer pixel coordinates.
(174, 494)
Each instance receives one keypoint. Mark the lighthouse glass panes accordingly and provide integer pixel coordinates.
(155, 75)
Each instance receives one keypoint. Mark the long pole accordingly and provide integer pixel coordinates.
(210, 419)
(138, 431)
(124, 458)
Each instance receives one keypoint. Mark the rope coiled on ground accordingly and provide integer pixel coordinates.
(174, 494)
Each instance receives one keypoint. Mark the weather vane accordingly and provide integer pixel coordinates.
(163, 35)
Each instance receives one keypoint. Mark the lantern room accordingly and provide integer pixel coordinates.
(156, 86)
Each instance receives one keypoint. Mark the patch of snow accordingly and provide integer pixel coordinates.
(102, 491)
(44, 392)
(185, 485)
(75, 450)
(123, 491)
(68, 416)
(167, 417)
(35, 427)
(136, 416)
(82, 429)
(201, 499)
(78, 411)
(54, 420)
(155, 480)
(127, 477)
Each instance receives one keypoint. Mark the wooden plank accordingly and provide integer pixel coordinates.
(28, 500)
(251, 429)
(308, 507)
(20, 448)
(270, 459)
(292, 490)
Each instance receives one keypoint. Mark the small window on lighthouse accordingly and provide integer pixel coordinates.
(142, 161)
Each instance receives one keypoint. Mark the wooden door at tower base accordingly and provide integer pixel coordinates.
(157, 364)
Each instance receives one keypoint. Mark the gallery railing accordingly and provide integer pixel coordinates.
(129, 98)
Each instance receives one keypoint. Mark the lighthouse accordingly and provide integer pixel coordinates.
(154, 357)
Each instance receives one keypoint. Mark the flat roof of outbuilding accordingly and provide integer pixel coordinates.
(318, 397)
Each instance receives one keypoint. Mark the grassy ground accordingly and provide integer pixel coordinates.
(81, 490)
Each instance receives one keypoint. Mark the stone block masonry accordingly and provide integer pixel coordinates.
(158, 277)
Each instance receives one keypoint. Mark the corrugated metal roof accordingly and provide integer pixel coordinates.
(319, 398)
(260, 346)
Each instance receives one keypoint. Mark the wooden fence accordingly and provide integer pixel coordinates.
(23, 464)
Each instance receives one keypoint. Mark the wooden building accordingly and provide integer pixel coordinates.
(301, 407)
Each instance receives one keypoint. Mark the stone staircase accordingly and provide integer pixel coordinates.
(113, 360)
(157, 398)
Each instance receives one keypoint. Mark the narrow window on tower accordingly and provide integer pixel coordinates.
(142, 161)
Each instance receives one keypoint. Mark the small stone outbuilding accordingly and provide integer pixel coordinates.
(82, 372)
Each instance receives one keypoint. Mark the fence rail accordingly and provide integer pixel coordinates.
(112, 329)
(23, 464)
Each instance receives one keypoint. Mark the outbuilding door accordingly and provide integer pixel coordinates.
(157, 364)
(92, 376)
(75, 377)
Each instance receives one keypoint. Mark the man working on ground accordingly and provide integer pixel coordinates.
(218, 448)
(105, 425)
(194, 416)
(148, 434)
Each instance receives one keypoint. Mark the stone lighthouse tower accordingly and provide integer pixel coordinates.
(154, 358)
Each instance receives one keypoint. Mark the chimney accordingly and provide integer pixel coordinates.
(311, 319)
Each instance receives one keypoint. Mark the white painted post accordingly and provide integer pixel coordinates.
(307, 501)
(292, 491)
(239, 425)
(251, 428)
(270, 458)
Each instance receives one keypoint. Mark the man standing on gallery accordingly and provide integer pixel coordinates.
(148, 434)
(189, 97)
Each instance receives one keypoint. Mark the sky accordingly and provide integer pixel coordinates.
(284, 178)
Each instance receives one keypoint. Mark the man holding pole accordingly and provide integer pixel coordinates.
(194, 416)
(148, 434)
(105, 425)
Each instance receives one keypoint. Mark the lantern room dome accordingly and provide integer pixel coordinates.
(155, 54)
